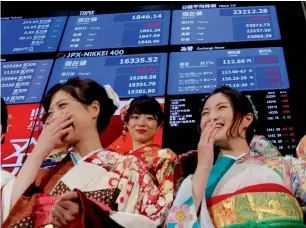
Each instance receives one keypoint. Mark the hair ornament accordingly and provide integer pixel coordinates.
(253, 107)
(123, 111)
(112, 95)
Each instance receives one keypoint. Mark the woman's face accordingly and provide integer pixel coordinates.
(142, 127)
(219, 109)
(83, 115)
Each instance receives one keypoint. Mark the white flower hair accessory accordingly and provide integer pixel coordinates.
(253, 107)
(112, 95)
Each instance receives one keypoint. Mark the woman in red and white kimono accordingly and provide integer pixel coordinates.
(102, 189)
(142, 120)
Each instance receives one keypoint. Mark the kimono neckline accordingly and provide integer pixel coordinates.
(76, 157)
(235, 158)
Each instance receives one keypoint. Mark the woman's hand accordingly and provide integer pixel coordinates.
(206, 145)
(65, 210)
(205, 162)
(53, 134)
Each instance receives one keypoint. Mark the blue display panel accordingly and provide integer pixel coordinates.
(24, 81)
(224, 25)
(31, 35)
(129, 75)
(248, 69)
(116, 31)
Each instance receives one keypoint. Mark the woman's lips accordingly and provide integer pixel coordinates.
(140, 131)
(219, 126)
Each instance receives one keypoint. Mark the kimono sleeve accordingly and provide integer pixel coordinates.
(140, 202)
(164, 166)
(168, 171)
(297, 177)
(183, 213)
(260, 144)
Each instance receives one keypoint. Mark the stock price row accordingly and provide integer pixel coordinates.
(243, 69)
(189, 72)
(139, 29)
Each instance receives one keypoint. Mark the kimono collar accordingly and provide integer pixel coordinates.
(77, 158)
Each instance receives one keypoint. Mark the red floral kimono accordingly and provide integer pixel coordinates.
(163, 165)
(114, 191)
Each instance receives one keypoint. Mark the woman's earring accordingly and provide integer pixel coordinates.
(124, 132)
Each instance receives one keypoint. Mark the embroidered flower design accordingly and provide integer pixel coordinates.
(129, 187)
(113, 182)
(104, 157)
(147, 148)
(261, 145)
(149, 155)
(123, 111)
(164, 153)
(151, 209)
(121, 199)
(167, 186)
(180, 215)
(146, 179)
(96, 161)
(161, 202)
(258, 159)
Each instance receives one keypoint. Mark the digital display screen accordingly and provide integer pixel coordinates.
(116, 31)
(24, 81)
(31, 35)
(176, 52)
(275, 120)
(129, 75)
(249, 69)
(219, 25)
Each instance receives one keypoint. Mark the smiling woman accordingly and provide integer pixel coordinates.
(243, 188)
(143, 119)
(101, 189)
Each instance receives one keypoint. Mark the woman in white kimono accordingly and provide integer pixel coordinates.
(243, 188)
(101, 189)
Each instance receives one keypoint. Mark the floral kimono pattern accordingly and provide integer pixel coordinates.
(161, 164)
(301, 149)
(249, 191)
(54, 159)
(260, 144)
(107, 181)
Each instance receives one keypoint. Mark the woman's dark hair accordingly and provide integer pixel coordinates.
(4, 116)
(145, 105)
(85, 91)
(241, 107)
